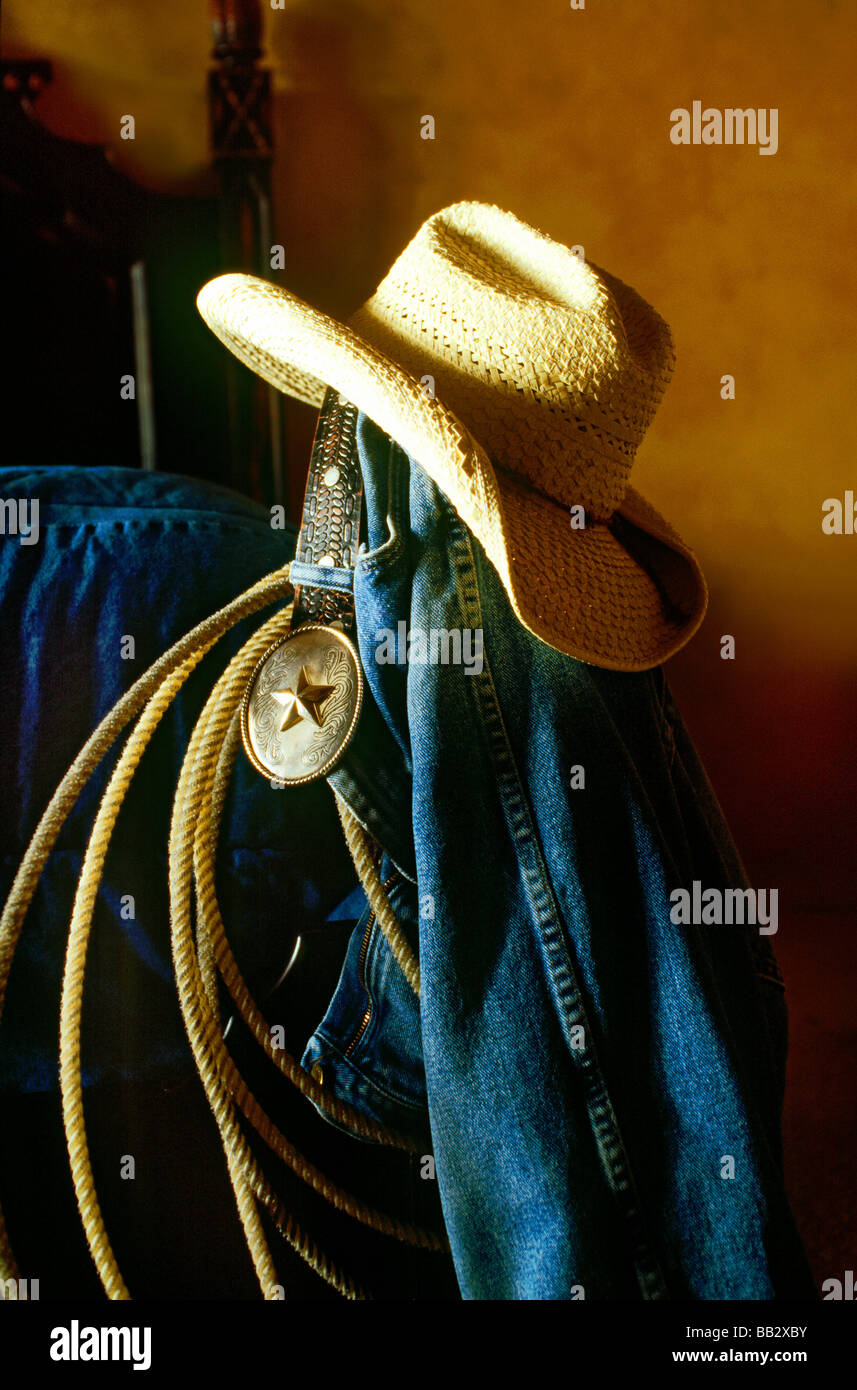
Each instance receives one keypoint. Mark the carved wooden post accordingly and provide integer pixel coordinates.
(239, 93)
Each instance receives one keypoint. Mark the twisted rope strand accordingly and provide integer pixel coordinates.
(73, 977)
(213, 1059)
(205, 634)
(360, 847)
(197, 812)
(210, 1054)
(210, 928)
(254, 1233)
(245, 1184)
(243, 1187)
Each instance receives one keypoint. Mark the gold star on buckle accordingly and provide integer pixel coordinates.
(303, 703)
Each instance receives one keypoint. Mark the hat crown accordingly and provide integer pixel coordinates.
(555, 366)
(546, 373)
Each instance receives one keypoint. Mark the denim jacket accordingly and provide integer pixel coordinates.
(600, 1085)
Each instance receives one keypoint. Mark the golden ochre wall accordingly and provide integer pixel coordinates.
(562, 116)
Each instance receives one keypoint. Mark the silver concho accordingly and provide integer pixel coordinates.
(302, 704)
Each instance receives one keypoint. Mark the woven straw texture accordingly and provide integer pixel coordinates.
(523, 380)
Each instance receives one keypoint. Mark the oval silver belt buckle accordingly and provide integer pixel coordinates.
(301, 705)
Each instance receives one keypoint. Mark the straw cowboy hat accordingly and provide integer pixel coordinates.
(522, 379)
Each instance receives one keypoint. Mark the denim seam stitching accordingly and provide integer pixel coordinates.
(332, 1049)
(545, 917)
(392, 549)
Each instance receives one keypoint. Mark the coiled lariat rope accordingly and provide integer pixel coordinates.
(204, 635)
(197, 813)
(192, 837)
(73, 976)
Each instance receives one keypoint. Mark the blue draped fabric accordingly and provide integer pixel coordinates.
(126, 555)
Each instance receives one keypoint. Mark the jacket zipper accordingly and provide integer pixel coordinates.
(361, 975)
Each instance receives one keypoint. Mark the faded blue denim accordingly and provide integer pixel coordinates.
(581, 1068)
(148, 555)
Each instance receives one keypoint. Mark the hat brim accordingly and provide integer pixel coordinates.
(624, 595)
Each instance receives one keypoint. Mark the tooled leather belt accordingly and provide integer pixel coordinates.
(303, 699)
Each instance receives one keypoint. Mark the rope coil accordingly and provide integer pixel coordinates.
(196, 817)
